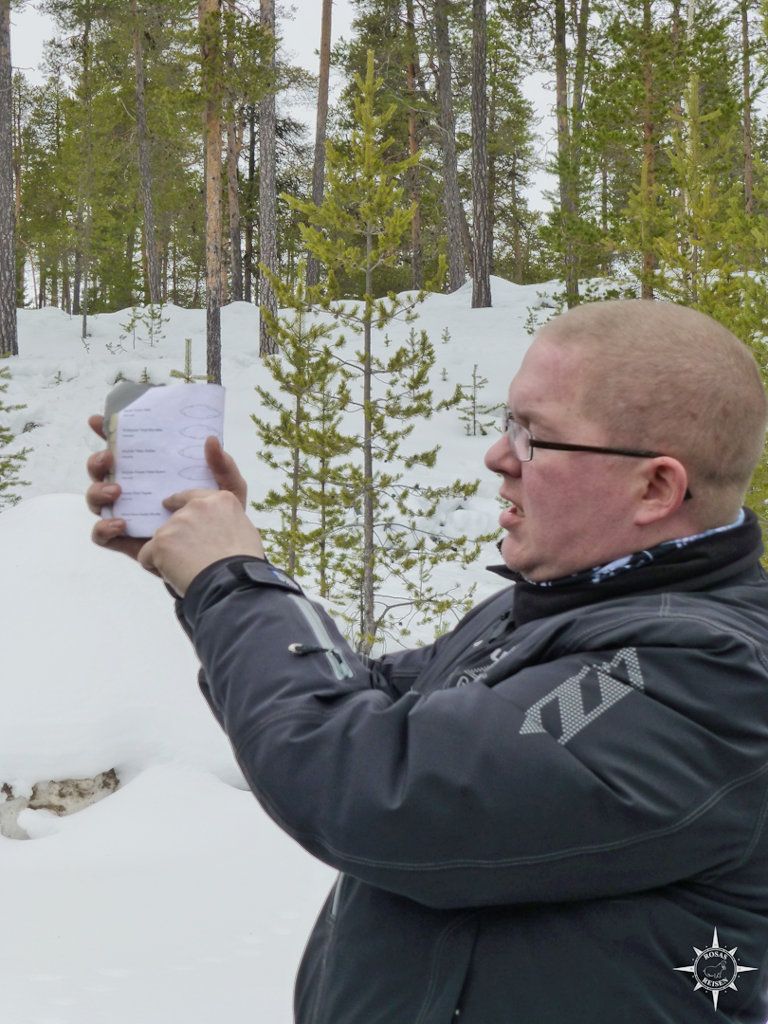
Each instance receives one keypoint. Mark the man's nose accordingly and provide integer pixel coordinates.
(501, 458)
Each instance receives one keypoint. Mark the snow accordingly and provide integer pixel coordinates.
(175, 897)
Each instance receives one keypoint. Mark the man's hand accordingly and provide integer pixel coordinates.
(205, 526)
(111, 532)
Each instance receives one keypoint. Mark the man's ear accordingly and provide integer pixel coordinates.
(664, 483)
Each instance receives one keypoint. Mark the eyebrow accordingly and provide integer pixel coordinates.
(526, 419)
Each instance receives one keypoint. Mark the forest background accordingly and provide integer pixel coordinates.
(158, 160)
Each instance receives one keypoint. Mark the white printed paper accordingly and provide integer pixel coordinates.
(158, 442)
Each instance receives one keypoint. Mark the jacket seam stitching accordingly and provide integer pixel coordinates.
(578, 851)
(306, 715)
(757, 831)
(750, 641)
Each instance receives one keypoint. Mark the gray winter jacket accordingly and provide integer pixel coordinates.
(541, 823)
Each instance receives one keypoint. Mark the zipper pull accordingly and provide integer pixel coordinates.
(301, 649)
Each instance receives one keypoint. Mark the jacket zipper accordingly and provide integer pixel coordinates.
(335, 658)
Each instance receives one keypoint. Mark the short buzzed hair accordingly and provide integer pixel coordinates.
(664, 377)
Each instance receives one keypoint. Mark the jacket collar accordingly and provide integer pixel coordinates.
(687, 564)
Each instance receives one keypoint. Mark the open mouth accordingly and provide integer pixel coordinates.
(511, 515)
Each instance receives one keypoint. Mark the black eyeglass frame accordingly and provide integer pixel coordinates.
(634, 453)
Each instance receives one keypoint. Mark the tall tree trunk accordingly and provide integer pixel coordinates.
(9, 344)
(209, 15)
(692, 110)
(417, 263)
(451, 195)
(18, 149)
(267, 192)
(66, 297)
(234, 144)
(749, 172)
(565, 172)
(249, 207)
(517, 247)
(84, 298)
(233, 195)
(318, 168)
(492, 129)
(145, 170)
(481, 282)
(78, 267)
(43, 288)
(85, 208)
(648, 173)
(368, 625)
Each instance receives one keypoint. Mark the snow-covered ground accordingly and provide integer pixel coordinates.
(174, 898)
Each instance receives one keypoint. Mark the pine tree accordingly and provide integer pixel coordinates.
(451, 194)
(267, 194)
(145, 172)
(303, 439)
(474, 414)
(359, 228)
(481, 221)
(8, 335)
(209, 19)
(10, 462)
(321, 125)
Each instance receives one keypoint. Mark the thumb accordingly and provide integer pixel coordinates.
(224, 469)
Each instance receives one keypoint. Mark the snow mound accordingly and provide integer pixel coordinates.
(107, 678)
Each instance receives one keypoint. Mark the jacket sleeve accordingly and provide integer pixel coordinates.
(484, 794)
(397, 672)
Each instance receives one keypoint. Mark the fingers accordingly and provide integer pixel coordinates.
(176, 501)
(96, 423)
(100, 464)
(101, 493)
(224, 469)
(110, 533)
(99, 496)
(144, 556)
(107, 530)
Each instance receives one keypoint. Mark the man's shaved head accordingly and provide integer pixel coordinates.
(671, 379)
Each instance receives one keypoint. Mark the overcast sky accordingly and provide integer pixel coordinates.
(301, 38)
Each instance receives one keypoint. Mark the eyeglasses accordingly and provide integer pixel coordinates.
(522, 444)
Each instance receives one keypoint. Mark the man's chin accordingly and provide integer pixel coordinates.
(516, 559)
(512, 555)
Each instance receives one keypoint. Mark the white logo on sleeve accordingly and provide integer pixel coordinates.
(715, 968)
(569, 696)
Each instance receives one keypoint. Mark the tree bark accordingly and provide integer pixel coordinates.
(249, 206)
(451, 195)
(318, 168)
(78, 262)
(565, 171)
(9, 345)
(267, 192)
(417, 263)
(649, 156)
(145, 170)
(368, 622)
(66, 295)
(749, 171)
(481, 282)
(85, 209)
(209, 16)
(233, 196)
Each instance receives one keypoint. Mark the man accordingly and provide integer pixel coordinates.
(557, 812)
